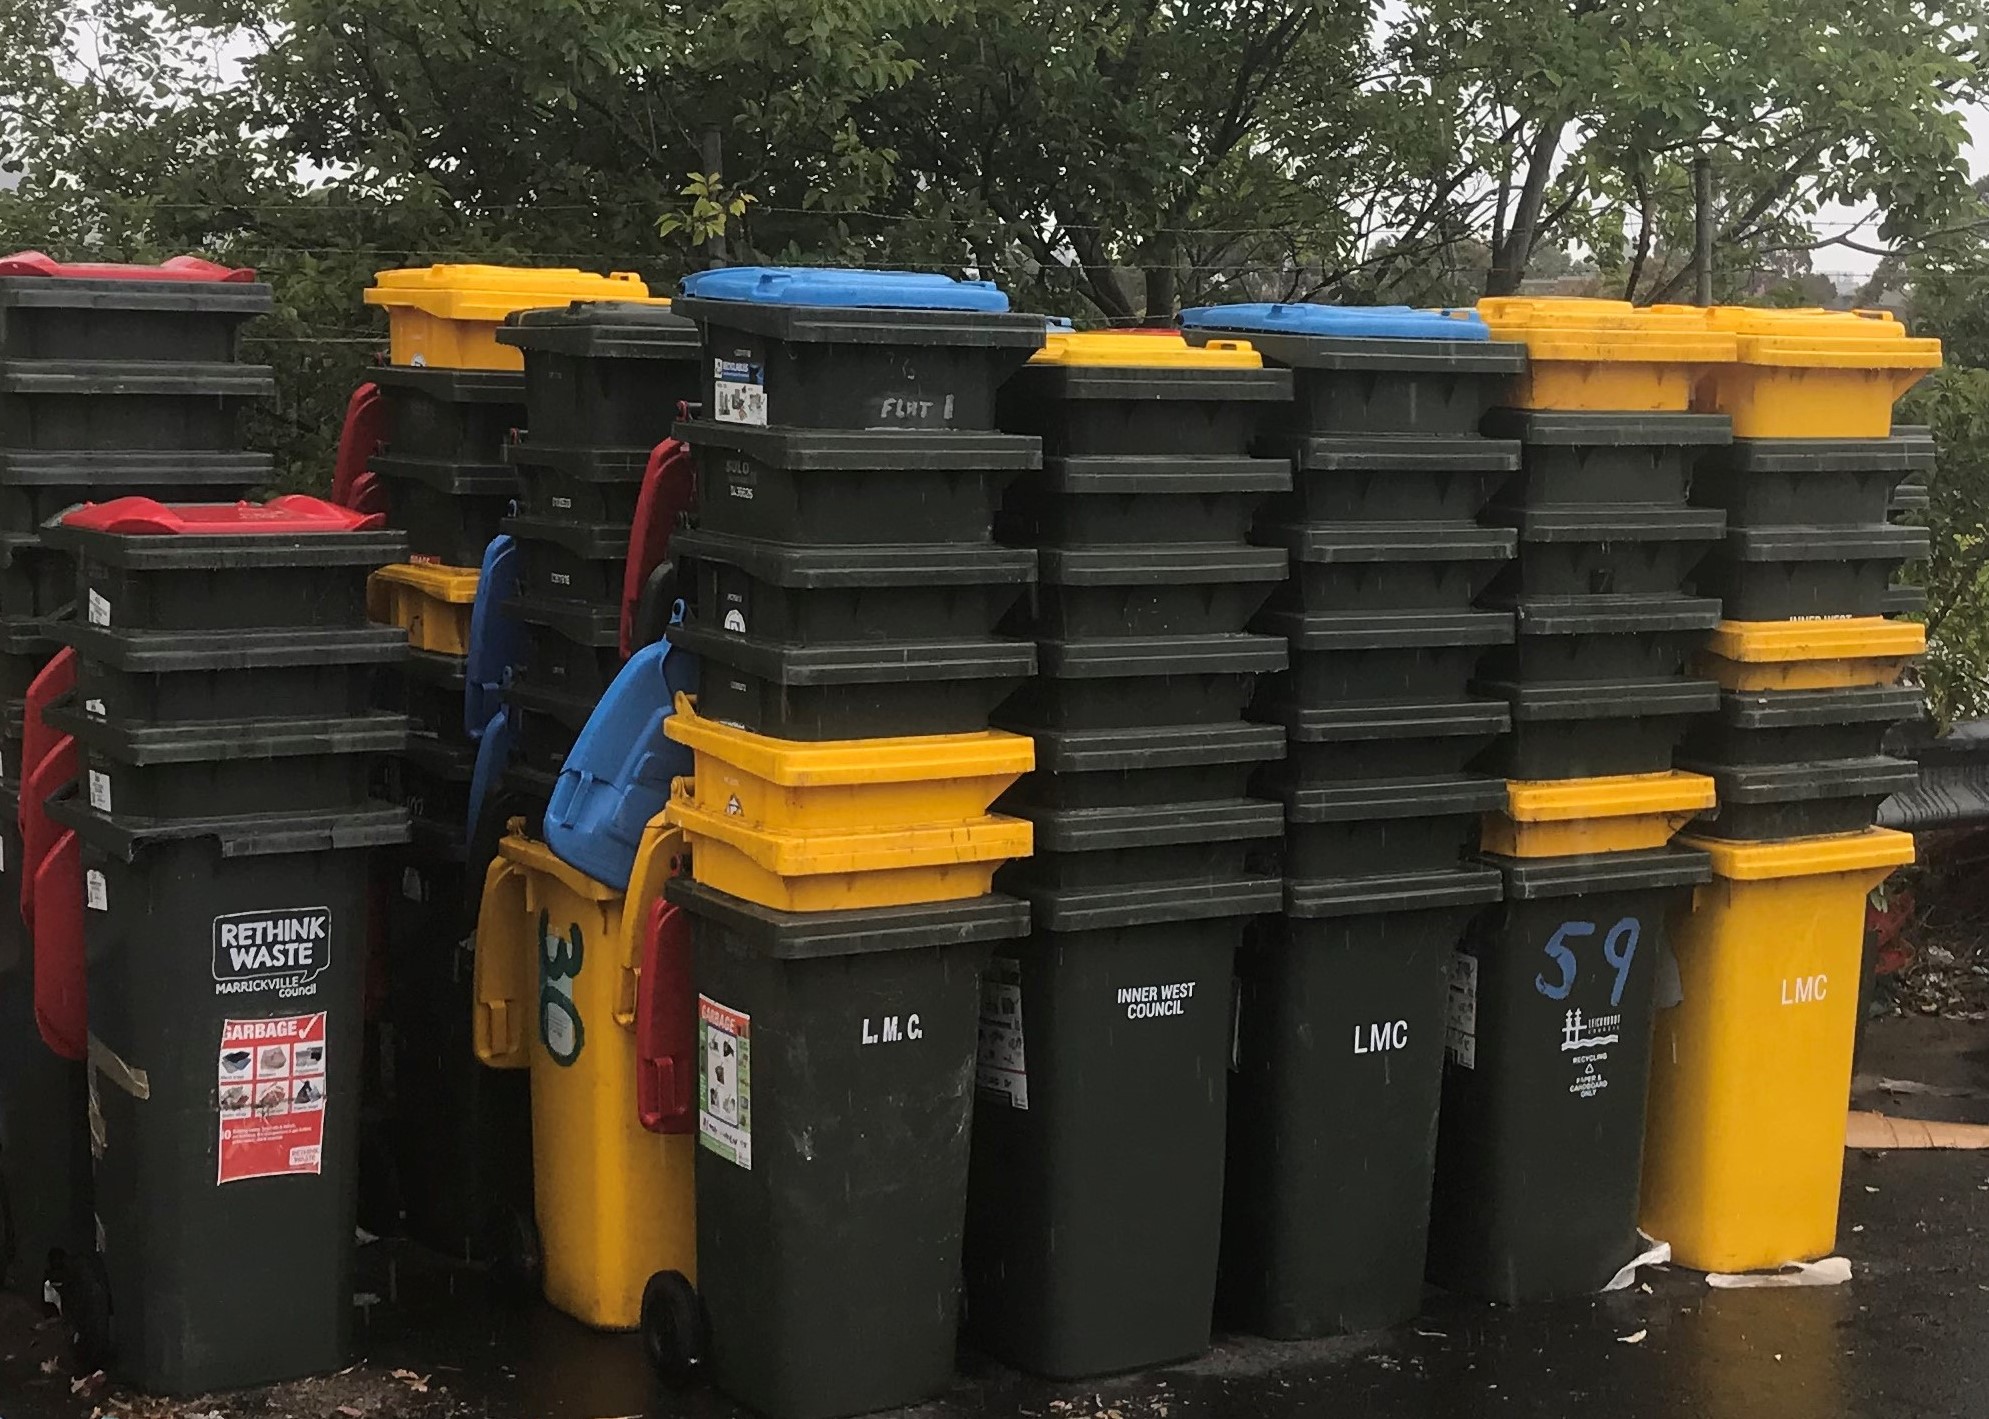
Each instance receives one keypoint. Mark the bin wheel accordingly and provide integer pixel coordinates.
(516, 1261)
(84, 1289)
(672, 1328)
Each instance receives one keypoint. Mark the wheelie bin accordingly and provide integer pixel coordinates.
(1334, 1088)
(1604, 355)
(1809, 655)
(448, 316)
(1812, 373)
(1539, 1146)
(1744, 1157)
(1102, 1070)
(836, 1052)
(558, 957)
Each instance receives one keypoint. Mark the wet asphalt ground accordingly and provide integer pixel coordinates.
(1907, 1337)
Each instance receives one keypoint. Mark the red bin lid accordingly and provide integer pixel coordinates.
(179, 268)
(288, 515)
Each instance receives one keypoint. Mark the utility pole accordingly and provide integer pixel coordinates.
(711, 152)
(1702, 227)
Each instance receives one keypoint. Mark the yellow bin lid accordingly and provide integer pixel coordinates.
(1805, 857)
(831, 762)
(489, 293)
(1582, 328)
(1616, 796)
(456, 586)
(1849, 638)
(815, 854)
(1162, 349)
(1825, 339)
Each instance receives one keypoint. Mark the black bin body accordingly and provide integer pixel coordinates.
(1811, 482)
(1145, 591)
(564, 560)
(218, 1279)
(1385, 567)
(820, 596)
(556, 659)
(589, 485)
(849, 487)
(448, 509)
(1339, 744)
(1582, 459)
(1601, 551)
(1382, 386)
(448, 415)
(605, 374)
(1540, 1144)
(1383, 657)
(830, 1267)
(45, 1183)
(1095, 1194)
(230, 767)
(1148, 844)
(1760, 802)
(1759, 727)
(1114, 768)
(1595, 728)
(861, 690)
(1378, 827)
(1138, 683)
(1343, 478)
(1790, 573)
(197, 582)
(1103, 409)
(79, 406)
(1103, 500)
(461, 1134)
(819, 367)
(143, 677)
(1334, 1093)
(89, 318)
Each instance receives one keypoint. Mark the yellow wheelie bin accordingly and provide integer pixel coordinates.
(447, 316)
(1602, 355)
(1835, 654)
(1579, 816)
(559, 967)
(1812, 374)
(1751, 1061)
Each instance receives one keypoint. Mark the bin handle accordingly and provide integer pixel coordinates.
(665, 1032)
(502, 972)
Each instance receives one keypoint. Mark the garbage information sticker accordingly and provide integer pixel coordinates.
(271, 1095)
(999, 1064)
(1461, 1036)
(739, 392)
(725, 1082)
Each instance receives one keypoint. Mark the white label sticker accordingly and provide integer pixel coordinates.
(1000, 1067)
(94, 892)
(725, 1082)
(1461, 1034)
(100, 791)
(99, 612)
(94, 709)
(738, 392)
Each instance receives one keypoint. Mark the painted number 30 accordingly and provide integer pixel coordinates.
(1619, 949)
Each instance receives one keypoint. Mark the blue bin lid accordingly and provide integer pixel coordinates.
(1368, 322)
(497, 639)
(829, 286)
(493, 754)
(617, 775)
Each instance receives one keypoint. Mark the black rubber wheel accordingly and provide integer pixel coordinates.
(84, 1289)
(517, 1264)
(672, 1328)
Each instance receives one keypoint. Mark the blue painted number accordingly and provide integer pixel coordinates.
(1619, 949)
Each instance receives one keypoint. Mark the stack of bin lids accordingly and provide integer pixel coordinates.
(1589, 329)
(812, 286)
(604, 329)
(490, 293)
(1143, 349)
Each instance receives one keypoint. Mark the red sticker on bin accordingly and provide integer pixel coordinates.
(270, 1093)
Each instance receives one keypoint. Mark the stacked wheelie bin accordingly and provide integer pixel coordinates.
(114, 380)
(845, 595)
(1552, 994)
(579, 864)
(1340, 1026)
(226, 744)
(1105, 1032)
(1744, 1160)
(449, 403)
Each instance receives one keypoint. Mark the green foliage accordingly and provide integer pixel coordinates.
(1955, 402)
(1111, 161)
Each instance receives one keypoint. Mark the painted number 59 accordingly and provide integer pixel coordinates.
(1619, 949)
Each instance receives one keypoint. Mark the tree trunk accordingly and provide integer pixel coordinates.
(1163, 279)
(1510, 260)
